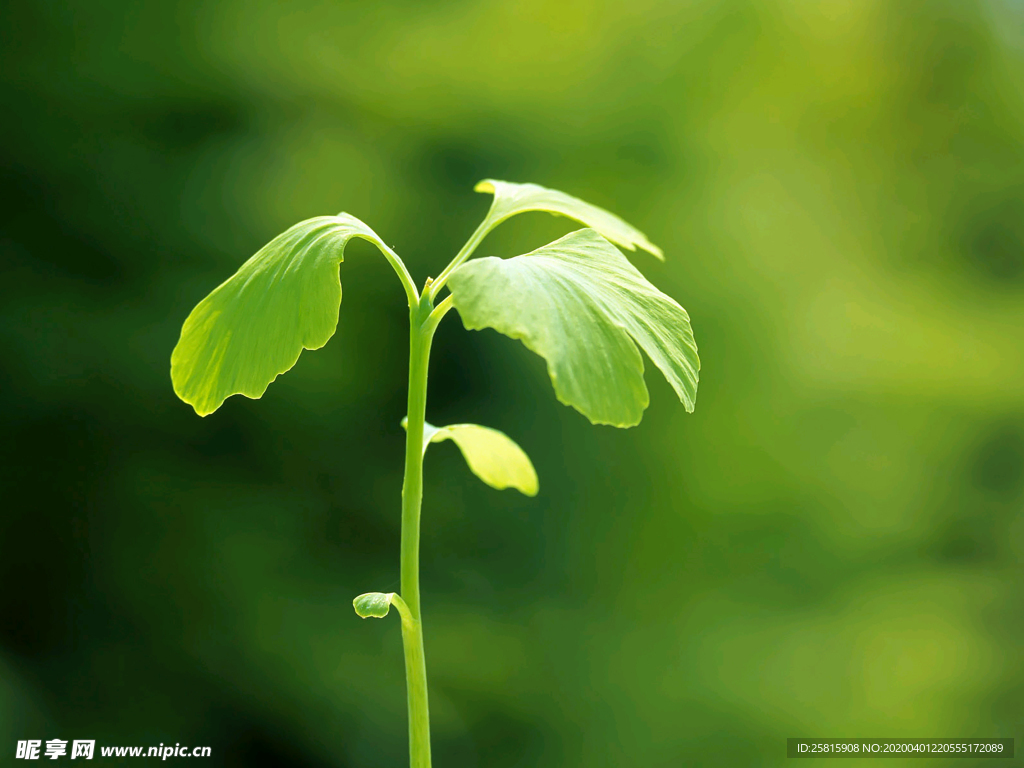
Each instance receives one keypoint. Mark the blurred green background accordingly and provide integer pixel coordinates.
(830, 546)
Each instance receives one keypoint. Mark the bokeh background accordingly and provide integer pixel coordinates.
(832, 545)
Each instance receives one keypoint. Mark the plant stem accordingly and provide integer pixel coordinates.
(421, 333)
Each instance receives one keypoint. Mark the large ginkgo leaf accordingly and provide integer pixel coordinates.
(510, 199)
(253, 327)
(584, 308)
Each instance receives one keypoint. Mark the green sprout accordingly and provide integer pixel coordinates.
(577, 302)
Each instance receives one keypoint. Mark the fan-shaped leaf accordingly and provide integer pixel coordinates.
(373, 604)
(491, 455)
(583, 307)
(253, 327)
(511, 198)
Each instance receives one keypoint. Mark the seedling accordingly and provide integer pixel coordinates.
(576, 302)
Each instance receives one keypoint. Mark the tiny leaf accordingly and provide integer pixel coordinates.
(583, 307)
(373, 604)
(253, 327)
(491, 455)
(511, 198)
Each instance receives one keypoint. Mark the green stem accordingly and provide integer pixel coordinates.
(421, 332)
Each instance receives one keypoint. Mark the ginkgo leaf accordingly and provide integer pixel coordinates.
(584, 308)
(511, 198)
(373, 604)
(253, 327)
(492, 456)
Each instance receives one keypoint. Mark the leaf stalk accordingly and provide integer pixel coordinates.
(465, 252)
(404, 277)
(403, 611)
